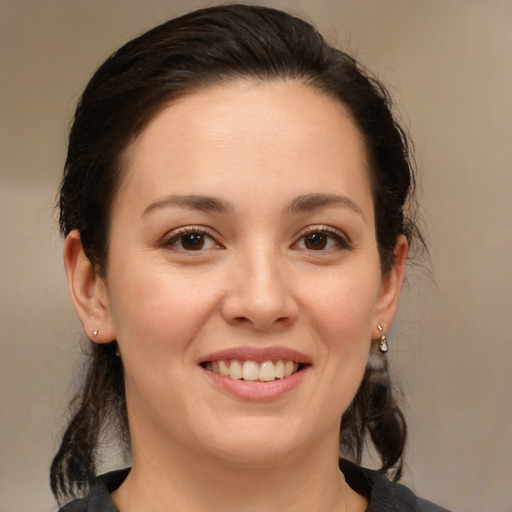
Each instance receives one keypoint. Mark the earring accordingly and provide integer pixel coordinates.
(95, 332)
(383, 345)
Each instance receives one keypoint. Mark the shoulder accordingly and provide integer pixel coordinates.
(428, 506)
(98, 498)
(384, 495)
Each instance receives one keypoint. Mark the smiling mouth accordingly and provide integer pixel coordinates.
(265, 371)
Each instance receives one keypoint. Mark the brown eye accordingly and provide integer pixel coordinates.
(192, 241)
(316, 241)
(323, 239)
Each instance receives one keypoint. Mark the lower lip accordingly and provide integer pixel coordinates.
(257, 391)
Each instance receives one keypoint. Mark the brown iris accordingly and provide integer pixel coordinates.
(192, 241)
(315, 241)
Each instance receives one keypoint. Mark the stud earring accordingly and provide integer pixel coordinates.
(95, 332)
(383, 345)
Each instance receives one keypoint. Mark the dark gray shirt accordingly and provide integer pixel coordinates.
(383, 495)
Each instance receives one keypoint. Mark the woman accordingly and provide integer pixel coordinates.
(237, 210)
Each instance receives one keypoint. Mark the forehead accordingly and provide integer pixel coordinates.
(248, 130)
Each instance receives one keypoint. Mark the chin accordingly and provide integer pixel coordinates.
(255, 454)
(260, 442)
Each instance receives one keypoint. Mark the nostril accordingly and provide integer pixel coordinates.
(262, 322)
(241, 320)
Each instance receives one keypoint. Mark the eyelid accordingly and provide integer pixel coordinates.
(172, 236)
(341, 238)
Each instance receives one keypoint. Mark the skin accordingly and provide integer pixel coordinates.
(255, 148)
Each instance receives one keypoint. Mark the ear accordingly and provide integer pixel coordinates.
(88, 291)
(392, 282)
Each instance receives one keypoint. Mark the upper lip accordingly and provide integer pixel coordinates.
(258, 354)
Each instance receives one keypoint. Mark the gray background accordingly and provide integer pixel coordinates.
(448, 65)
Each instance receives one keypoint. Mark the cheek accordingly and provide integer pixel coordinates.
(156, 317)
(154, 310)
(345, 330)
(342, 316)
(343, 305)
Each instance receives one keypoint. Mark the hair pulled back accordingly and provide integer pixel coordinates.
(207, 47)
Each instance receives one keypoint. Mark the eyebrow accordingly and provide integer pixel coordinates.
(309, 202)
(301, 204)
(191, 202)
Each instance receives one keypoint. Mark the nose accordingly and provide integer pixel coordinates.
(259, 293)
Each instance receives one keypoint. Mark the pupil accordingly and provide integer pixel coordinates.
(193, 241)
(316, 241)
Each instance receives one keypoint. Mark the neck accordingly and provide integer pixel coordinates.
(185, 481)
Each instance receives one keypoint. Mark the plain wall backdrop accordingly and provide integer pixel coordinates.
(448, 65)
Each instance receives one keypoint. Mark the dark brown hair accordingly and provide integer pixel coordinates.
(203, 48)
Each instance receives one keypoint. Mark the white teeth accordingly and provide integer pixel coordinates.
(235, 369)
(279, 366)
(224, 370)
(267, 371)
(251, 370)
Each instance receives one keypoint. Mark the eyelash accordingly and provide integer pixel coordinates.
(340, 239)
(177, 235)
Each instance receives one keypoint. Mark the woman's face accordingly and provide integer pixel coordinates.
(243, 242)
